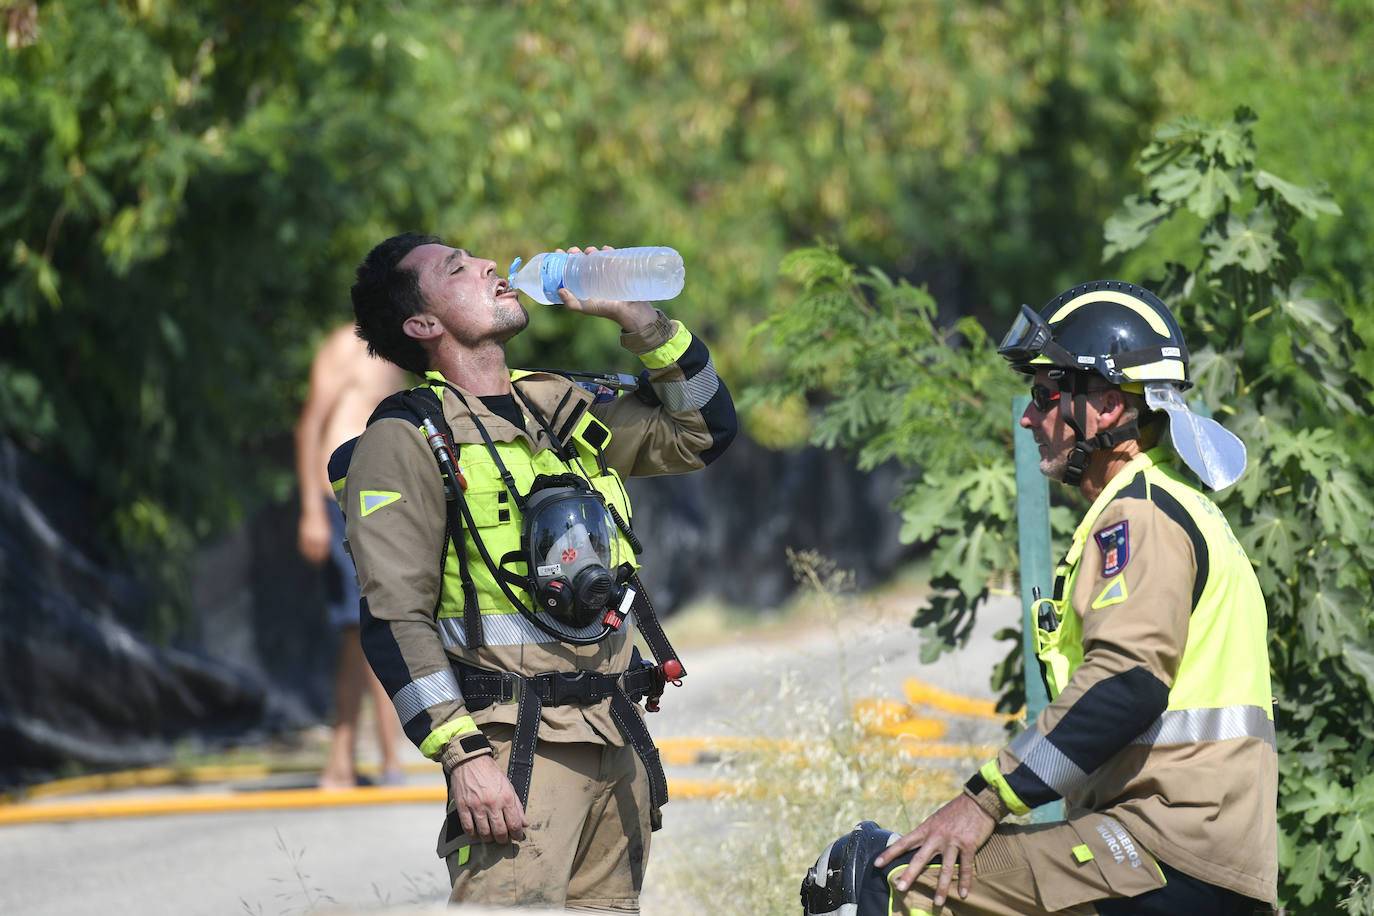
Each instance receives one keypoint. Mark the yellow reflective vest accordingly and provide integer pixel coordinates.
(499, 523)
(1157, 664)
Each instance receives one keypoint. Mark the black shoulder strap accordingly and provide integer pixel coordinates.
(560, 445)
(423, 403)
(654, 634)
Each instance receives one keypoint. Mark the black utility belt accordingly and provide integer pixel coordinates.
(482, 687)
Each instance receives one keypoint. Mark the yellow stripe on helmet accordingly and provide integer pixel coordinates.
(1110, 295)
(1163, 369)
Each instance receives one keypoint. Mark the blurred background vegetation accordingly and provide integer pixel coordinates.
(185, 189)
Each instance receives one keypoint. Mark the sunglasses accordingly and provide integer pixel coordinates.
(1043, 397)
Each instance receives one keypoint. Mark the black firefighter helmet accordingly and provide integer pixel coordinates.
(1120, 331)
(1105, 329)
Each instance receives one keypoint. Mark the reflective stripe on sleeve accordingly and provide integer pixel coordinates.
(1189, 726)
(692, 394)
(1049, 764)
(422, 693)
(668, 353)
(434, 744)
(1174, 726)
(999, 782)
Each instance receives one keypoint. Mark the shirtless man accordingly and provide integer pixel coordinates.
(345, 385)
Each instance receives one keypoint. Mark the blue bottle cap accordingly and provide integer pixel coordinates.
(551, 273)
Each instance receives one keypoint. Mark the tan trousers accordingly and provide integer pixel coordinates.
(588, 841)
(1043, 868)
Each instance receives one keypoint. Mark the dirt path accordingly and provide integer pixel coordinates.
(779, 686)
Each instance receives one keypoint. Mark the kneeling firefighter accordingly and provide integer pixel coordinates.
(493, 543)
(1159, 735)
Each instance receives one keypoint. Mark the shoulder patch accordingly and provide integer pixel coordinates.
(1115, 543)
(372, 500)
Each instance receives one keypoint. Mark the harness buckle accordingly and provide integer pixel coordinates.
(512, 687)
(585, 687)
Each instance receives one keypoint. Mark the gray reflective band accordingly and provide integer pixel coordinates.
(515, 630)
(1188, 726)
(691, 394)
(422, 693)
(1046, 761)
(1174, 726)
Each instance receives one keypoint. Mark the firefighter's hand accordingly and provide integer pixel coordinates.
(631, 316)
(954, 833)
(486, 801)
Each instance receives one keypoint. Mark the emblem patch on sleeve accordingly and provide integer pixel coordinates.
(372, 500)
(1115, 544)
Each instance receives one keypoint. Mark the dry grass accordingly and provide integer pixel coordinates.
(786, 803)
(845, 762)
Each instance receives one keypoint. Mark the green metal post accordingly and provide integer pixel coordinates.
(1033, 544)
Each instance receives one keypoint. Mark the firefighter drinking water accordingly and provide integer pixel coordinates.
(498, 567)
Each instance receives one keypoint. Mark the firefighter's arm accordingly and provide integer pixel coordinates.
(397, 530)
(682, 416)
(1135, 605)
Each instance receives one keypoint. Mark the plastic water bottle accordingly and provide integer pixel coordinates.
(630, 274)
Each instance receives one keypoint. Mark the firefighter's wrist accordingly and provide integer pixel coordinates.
(454, 741)
(463, 747)
(986, 796)
(651, 336)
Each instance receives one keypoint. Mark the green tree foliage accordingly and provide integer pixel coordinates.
(1283, 365)
(1279, 363)
(903, 386)
(187, 186)
(174, 181)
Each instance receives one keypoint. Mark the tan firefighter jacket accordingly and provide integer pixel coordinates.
(408, 571)
(1161, 712)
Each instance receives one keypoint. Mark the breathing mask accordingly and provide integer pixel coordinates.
(570, 541)
(845, 882)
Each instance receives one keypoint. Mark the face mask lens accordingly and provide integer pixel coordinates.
(573, 533)
(1026, 338)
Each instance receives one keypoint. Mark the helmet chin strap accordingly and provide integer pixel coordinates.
(1077, 420)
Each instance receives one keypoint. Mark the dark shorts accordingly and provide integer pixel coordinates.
(341, 594)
